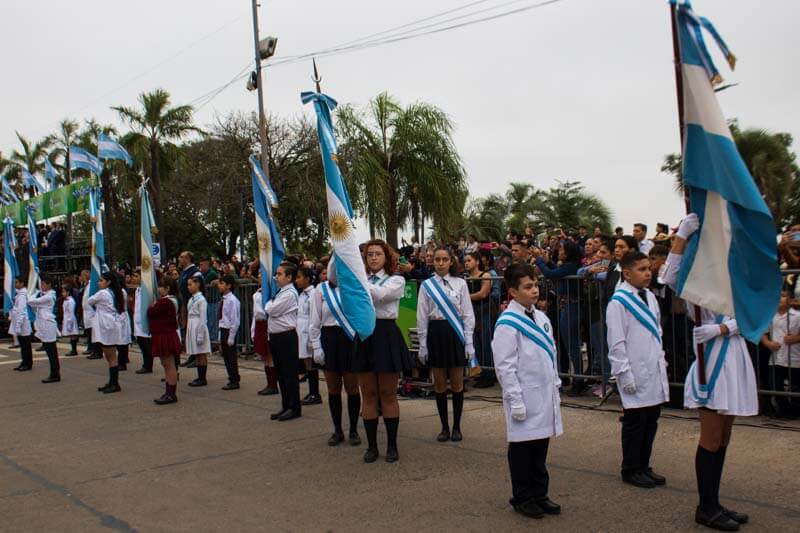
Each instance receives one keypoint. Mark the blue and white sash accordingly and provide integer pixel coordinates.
(702, 393)
(380, 281)
(334, 301)
(529, 329)
(639, 310)
(445, 306)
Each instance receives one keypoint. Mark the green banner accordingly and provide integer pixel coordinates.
(407, 317)
(71, 198)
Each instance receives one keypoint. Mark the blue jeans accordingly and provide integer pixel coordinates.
(570, 331)
(600, 363)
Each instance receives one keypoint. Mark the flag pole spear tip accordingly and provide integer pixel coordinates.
(317, 78)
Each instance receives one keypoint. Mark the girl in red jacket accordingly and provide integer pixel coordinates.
(163, 318)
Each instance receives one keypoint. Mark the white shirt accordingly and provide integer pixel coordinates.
(20, 322)
(45, 324)
(109, 328)
(386, 292)
(230, 314)
(635, 354)
(304, 321)
(69, 322)
(457, 292)
(529, 378)
(645, 245)
(782, 325)
(88, 310)
(320, 316)
(137, 315)
(282, 310)
(198, 340)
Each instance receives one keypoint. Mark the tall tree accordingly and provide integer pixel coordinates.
(520, 200)
(31, 156)
(65, 137)
(568, 205)
(156, 123)
(401, 161)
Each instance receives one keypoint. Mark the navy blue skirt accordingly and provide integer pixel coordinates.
(338, 349)
(445, 349)
(384, 352)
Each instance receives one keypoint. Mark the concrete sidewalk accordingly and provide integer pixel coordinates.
(72, 459)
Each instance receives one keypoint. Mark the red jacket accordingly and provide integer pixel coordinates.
(163, 316)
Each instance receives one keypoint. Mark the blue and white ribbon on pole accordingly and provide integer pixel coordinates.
(8, 190)
(50, 175)
(33, 254)
(31, 181)
(80, 158)
(730, 266)
(11, 268)
(98, 259)
(148, 292)
(348, 266)
(270, 245)
(108, 148)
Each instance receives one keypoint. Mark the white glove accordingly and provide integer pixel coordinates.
(629, 388)
(469, 351)
(319, 357)
(231, 340)
(423, 357)
(519, 413)
(688, 226)
(703, 334)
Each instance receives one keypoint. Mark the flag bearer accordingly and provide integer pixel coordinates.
(21, 324)
(525, 363)
(46, 327)
(283, 343)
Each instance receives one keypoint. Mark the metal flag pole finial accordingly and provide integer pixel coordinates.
(316, 78)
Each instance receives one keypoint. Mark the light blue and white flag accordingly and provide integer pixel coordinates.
(31, 181)
(80, 158)
(730, 265)
(351, 276)
(108, 148)
(98, 259)
(8, 191)
(11, 268)
(149, 288)
(270, 243)
(50, 175)
(33, 254)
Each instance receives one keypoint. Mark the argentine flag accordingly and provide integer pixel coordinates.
(80, 158)
(149, 287)
(108, 148)
(50, 175)
(11, 269)
(270, 244)
(8, 191)
(33, 254)
(730, 265)
(351, 276)
(98, 240)
(30, 181)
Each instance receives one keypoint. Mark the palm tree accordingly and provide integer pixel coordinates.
(155, 123)
(62, 140)
(31, 157)
(520, 200)
(568, 205)
(403, 164)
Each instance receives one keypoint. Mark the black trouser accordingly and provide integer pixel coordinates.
(25, 349)
(52, 356)
(529, 477)
(229, 355)
(146, 346)
(284, 349)
(779, 374)
(638, 433)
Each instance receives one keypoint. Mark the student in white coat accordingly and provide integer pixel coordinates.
(282, 329)
(731, 392)
(69, 322)
(637, 360)
(143, 338)
(198, 340)
(304, 283)
(20, 324)
(46, 327)
(525, 364)
(109, 327)
(89, 315)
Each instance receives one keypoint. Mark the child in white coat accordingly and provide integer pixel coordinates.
(69, 322)
(46, 327)
(198, 340)
(20, 324)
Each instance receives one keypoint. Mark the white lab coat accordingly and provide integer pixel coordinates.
(198, 340)
(138, 330)
(45, 324)
(20, 322)
(528, 377)
(69, 322)
(109, 328)
(88, 310)
(635, 354)
(303, 322)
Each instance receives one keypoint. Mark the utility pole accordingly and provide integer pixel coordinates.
(262, 119)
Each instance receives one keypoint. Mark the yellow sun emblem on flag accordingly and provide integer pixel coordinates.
(264, 243)
(340, 226)
(146, 263)
(335, 158)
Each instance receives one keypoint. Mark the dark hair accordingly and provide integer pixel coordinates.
(189, 254)
(663, 228)
(169, 283)
(476, 256)
(198, 278)
(632, 243)
(608, 243)
(452, 269)
(290, 269)
(116, 290)
(572, 252)
(617, 229)
(515, 272)
(47, 279)
(21, 279)
(641, 226)
(229, 280)
(484, 253)
(391, 256)
(659, 250)
(631, 258)
(307, 273)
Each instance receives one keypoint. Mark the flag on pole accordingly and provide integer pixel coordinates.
(33, 254)
(98, 261)
(270, 244)
(730, 265)
(50, 175)
(11, 268)
(8, 191)
(108, 148)
(29, 180)
(351, 276)
(80, 158)
(149, 288)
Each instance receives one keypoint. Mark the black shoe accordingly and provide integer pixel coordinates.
(288, 415)
(716, 520)
(40, 349)
(371, 455)
(104, 387)
(71, 354)
(51, 379)
(198, 383)
(391, 455)
(335, 438)
(144, 371)
(165, 399)
(268, 391)
(24, 368)
(657, 479)
(456, 436)
(444, 436)
(353, 438)
(95, 356)
(638, 479)
(275, 416)
(111, 388)
(739, 518)
(312, 399)
(231, 386)
(549, 506)
(529, 509)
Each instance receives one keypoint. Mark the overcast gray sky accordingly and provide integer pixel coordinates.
(580, 89)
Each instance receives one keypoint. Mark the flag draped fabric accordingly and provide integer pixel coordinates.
(11, 268)
(149, 287)
(98, 242)
(350, 273)
(8, 191)
(80, 158)
(50, 174)
(30, 181)
(730, 265)
(270, 244)
(108, 148)
(33, 255)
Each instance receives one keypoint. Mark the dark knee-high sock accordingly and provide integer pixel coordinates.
(458, 408)
(335, 406)
(391, 432)
(272, 377)
(441, 406)
(74, 344)
(719, 464)
(201, 371)
(371, 428)
(172, 390)
(313, 381)
(113, 375)
(705, 469)
(353, 410)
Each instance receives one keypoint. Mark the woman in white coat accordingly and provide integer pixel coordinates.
(109, 329)
(69, 322)
(46, 327)
(20, 324)
(198, 341)
(525, 363)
